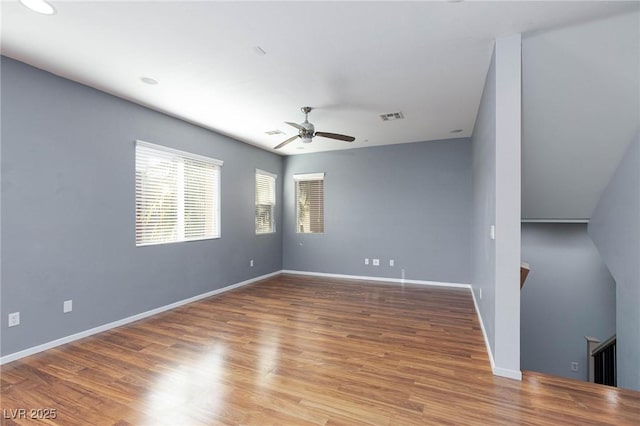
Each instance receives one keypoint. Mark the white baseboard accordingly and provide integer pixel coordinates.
(510, 374)
(67, 339)
(382, 279)
(497, 371)
(484, 332)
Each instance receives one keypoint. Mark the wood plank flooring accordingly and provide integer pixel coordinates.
(300, 351)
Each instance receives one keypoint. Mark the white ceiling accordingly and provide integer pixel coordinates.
(350, 60)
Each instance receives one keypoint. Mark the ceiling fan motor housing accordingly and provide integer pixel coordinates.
(306, 135)
(307, 132)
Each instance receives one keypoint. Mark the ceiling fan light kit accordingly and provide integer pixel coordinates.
(306, 131)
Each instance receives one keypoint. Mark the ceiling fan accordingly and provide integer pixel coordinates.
(306, 131)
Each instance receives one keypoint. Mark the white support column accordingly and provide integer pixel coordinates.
(508, 188)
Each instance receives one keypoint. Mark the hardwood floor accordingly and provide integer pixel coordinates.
(300, 351)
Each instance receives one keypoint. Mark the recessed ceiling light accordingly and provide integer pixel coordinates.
(40, 6)
(456, 131)
(148, 80)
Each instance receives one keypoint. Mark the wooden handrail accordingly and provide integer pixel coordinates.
(602, 346)
(524, 271)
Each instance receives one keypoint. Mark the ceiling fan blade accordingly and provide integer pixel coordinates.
(296, 125)
(336, 136)
(291, 139)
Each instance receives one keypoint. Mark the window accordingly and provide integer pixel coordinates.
(265, 202)
(309, 203)
(177, 195)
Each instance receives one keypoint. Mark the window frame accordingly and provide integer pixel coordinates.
(182, 157)
(307, 177)
(273, 206)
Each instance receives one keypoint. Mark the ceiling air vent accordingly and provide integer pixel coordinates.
(391, 116)
(275, 132)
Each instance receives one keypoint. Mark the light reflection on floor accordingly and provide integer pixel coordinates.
(268, 355)
(197, 387)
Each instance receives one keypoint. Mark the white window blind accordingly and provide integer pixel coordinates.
(309, 203)
(177, 195)
(265, 202)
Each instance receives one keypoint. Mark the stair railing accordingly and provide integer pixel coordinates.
(602, 360)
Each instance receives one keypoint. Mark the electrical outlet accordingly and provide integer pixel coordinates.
(480, 293)
(376, 262)
(14, 319)
(574, 366)
(366, 261)
(67, 306)
(492, 232)
(251, 263)
(392, 262)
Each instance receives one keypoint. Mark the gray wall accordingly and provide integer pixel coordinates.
(569, 294)
(409, 202)
(580, 101)
(68, 210)
(615, 229)
(484, 203)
